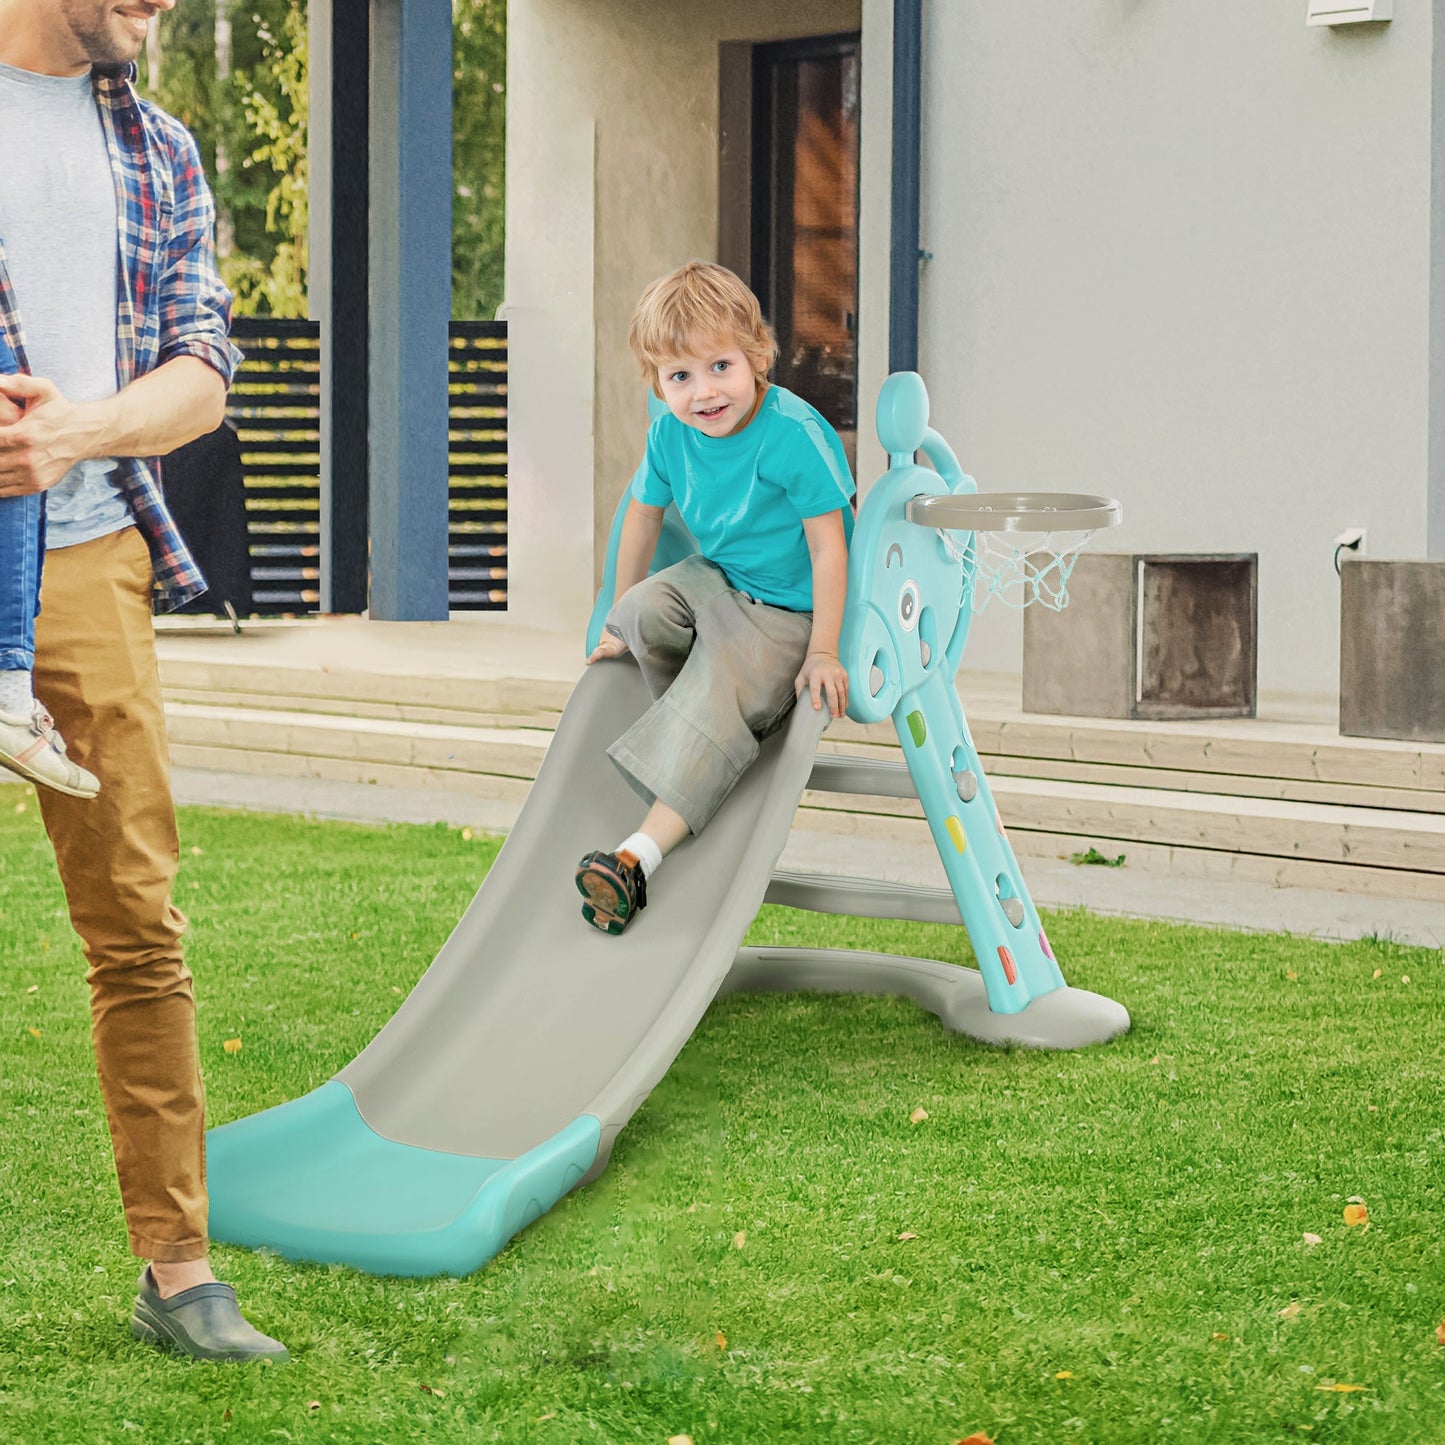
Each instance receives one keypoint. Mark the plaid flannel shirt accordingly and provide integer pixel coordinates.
(169, 300)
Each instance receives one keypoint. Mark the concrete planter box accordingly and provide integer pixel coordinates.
(1147, 635)
(1392, 650)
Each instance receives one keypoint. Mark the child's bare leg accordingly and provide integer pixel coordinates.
(665, 826)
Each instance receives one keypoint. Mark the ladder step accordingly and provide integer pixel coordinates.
(834, 773)
(861, 897)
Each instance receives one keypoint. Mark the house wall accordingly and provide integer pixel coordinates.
(1181, 256)
(612, 179)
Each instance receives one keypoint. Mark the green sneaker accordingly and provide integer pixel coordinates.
(202, 1323)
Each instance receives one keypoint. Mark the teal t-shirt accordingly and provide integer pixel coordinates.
(744, 496)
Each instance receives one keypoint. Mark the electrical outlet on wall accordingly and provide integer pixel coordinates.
(1352, 539)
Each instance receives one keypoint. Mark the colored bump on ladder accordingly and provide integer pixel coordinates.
(955, 831)
(917, 728)
(1044, 944)
(967, 784)
(1010, 972)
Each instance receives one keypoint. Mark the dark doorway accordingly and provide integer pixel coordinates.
(805, 216)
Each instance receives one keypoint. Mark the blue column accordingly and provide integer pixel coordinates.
(410, 290)
(907, 145)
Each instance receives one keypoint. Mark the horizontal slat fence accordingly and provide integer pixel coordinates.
(275, 409)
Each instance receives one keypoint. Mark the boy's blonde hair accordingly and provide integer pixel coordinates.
(699, 302)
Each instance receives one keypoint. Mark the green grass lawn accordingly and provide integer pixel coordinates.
(1106, 1246)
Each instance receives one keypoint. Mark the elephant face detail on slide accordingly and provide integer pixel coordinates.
(905, 586)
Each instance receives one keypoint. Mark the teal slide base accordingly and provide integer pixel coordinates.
(311, 1180)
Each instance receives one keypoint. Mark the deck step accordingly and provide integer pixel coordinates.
(1281, 840)
(1244, 758)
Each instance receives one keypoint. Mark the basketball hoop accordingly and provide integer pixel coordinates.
(1021, 546)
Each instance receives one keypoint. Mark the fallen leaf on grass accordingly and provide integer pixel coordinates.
(20, 807)
(974, 1440)
(34, 988)
(906, 1235)
(1289, 1311)
(1378, 973)
(918, 1115)
(1404, 978)
(1291, 975)
(1342, 1389)
(722, 1340)
(433, 1390)
(740, 1239)
(314, 1405)
(35, 1033)
(1356, 1214)
(1064, 1375)
(1218, 1336)
(195, 851)
(1312, 1238)
(1440, 1333)
(679, 1440)
(466, 835)
(550, 1415)
(232, 1046)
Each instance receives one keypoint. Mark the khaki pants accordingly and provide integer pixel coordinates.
(95, 670)
(720, 668)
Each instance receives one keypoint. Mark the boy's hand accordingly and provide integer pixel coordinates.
(611, 645)
(823, 675)
(9, 411)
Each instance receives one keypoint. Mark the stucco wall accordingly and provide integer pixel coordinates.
(634, 85)
(1181, 256)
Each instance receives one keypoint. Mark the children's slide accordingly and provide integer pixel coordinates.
(505, 1077)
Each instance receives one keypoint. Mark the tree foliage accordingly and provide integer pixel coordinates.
(479, 141)
(251, 127)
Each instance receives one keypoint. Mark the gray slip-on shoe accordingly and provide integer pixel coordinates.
(203, 1323)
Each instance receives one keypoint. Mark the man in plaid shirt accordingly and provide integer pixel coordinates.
(113, 352)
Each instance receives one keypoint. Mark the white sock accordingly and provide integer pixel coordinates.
(17, 696)
(644, 850)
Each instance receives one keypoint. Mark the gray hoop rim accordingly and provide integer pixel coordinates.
(1015, 512)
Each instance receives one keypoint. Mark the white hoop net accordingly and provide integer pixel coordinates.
(1019, 569)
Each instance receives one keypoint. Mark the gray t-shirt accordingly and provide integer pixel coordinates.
(58, 225)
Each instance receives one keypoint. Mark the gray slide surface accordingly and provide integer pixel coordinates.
(529, 1017)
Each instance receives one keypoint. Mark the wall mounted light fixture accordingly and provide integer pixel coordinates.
(1348, 12)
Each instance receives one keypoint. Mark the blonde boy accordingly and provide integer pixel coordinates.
(731, 637)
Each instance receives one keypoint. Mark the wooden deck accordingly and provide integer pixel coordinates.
(469, 706)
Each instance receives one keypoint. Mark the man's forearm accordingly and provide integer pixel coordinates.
(168, 407)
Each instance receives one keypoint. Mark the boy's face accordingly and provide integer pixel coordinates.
(711, 389)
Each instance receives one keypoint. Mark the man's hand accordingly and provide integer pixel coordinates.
(822, 675)
(611, 645)
(38, 435)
